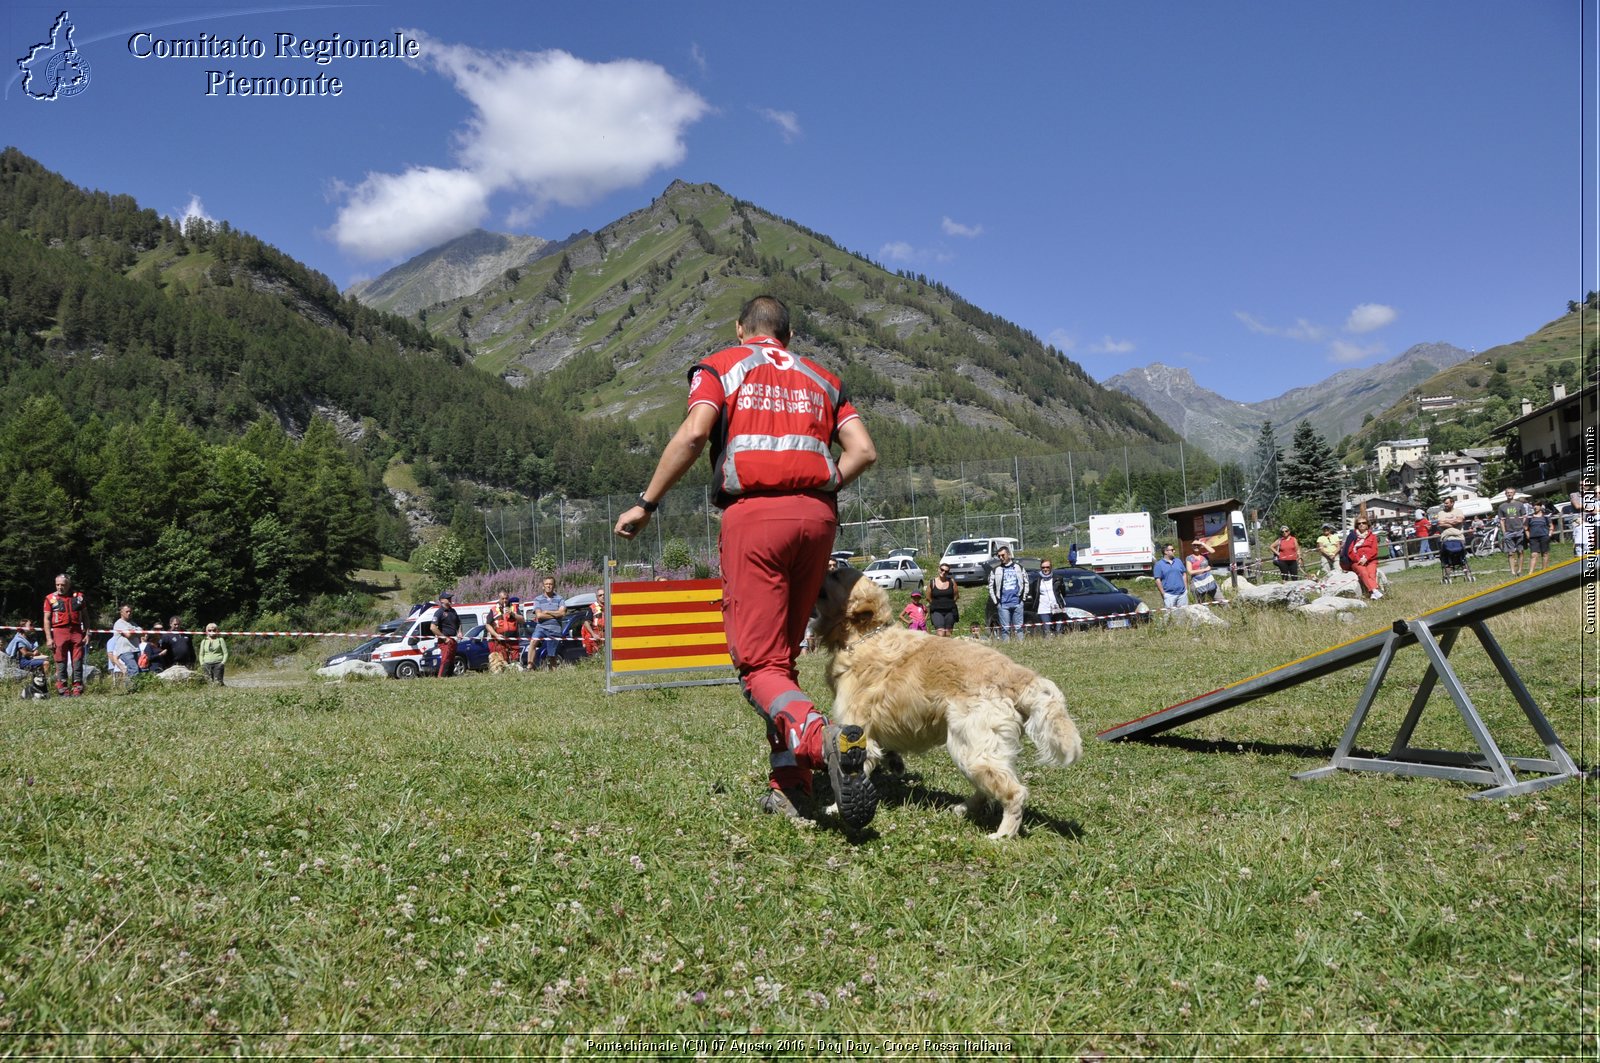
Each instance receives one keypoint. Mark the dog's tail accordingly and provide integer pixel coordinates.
(1049, 727)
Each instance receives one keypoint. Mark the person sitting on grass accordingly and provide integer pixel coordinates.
(23, 649)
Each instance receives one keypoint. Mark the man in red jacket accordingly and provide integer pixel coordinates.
(772, 418)
(64, 634)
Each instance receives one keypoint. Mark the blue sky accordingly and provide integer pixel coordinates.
(1262, 192)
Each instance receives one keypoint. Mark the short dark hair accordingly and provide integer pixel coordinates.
(765, 315)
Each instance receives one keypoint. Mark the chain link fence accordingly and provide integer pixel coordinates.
(1042, 501)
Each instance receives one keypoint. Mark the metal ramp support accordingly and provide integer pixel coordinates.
(1489, 766)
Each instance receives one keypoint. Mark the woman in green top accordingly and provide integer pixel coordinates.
(213, 655)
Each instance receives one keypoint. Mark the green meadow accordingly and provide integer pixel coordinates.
(522, 865)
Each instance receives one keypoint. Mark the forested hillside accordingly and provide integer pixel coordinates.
(187, 370)
(611, 325)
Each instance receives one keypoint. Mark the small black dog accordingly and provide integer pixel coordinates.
(35, 687)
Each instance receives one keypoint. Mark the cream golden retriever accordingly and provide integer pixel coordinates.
(910, 691)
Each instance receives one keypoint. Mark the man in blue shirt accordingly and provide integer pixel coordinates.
(549, 609)
(1170, 576)
(1007, 585)
(24, 648)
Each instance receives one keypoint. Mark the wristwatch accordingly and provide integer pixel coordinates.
(647, 505)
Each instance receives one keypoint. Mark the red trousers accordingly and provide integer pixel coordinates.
(64, 640)
(774, 556)
(447, 656)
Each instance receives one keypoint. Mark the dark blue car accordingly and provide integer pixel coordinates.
(1091, 601)
(472, 654)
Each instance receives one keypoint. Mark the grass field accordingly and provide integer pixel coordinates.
(520, 865)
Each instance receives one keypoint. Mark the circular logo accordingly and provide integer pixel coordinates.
(67, 74)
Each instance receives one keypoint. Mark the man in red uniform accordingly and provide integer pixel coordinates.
(771, 418)
(64, 634)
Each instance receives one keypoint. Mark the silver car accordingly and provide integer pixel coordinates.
(893, 573)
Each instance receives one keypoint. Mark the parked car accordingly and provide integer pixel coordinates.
(400, 655)
(969, 558)
(472, 654)
(893, 573)
(361, 652)
(1091, 601)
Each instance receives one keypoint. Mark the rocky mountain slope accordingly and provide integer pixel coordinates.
(449, 271)
(610, 326)
(1335, 406)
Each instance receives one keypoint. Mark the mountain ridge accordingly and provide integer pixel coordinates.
(1336, 406)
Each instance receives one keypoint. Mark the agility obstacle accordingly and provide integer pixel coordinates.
(662, 628)
(1436, 633)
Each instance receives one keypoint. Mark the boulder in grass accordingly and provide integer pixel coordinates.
(1294, 592)
(178, 674)
(1328, 605)
(353, 670)
(1194, 616)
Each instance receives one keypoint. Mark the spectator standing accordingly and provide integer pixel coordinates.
(1538, 538)
(504, 633)
(1328, 547)
(64, 631)
(446, 628)
(1583, 516)
(122, 649)
(777, 483)
(549, 610)
(1008, 584)
(1513, 516)
(1451, 523)
(179, 647)
(1202, 581)
(213, 655)
(1170, 577)
(23, 649)
(1286, 553)
(594, 626)
(150, 651)
(915, 616)
(1424, 531)
(1364, 557)
(944, 603)
(1397, 538)
(1048, 593)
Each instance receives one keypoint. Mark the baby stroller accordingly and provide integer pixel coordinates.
(1454, 562)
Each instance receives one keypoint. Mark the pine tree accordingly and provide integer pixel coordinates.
(1312, 474)
(1430, 487)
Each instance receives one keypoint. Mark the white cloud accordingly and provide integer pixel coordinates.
(955, 228)
(1369, 317)
(388, 214)
(195, 209)
(546, 126)
(698, 57)
(1061, 340)
(1344, 351)
(788, 122)
(1303, 330)
(897, 251)
(1107, 345)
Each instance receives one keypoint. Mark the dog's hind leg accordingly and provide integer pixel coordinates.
(983, 742)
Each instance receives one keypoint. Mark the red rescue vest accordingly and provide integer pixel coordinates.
(773, 434)
(66, 610)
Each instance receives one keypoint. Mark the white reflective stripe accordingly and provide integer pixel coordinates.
(735, 374)
(775, 444)
(821, 382)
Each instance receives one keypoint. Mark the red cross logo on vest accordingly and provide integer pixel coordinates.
(778, 357)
